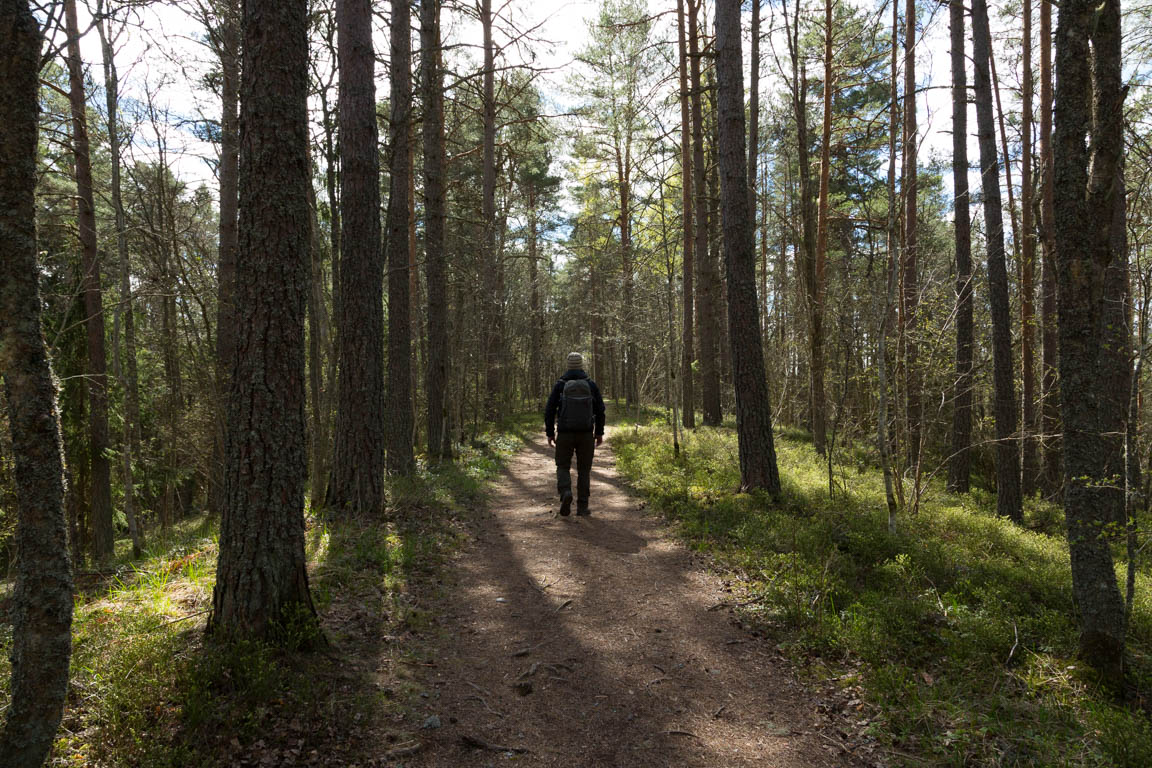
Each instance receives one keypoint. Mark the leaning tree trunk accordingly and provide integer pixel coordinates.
(399, 386)
(261, 579)
(357, 483)
(1008, 502)
(40, 607)
(435, 216)
(960, 460)
(688, 395)
(1089, 100)
(753, 409)
(103, 533)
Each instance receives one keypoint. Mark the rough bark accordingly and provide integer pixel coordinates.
(357, 483)
(435, 216)
(262, 580)
(753, 409)
(1053, 462)
(40, 607)
(960, 460)
(100, 495)
(688, 356)
(400, 418)
(1008, 502)
(124, 365)
(910, 295)
(1088, 100)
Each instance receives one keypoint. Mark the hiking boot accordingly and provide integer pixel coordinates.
(565, 503)
(582, 509)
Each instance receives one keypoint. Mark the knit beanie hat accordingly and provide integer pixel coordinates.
(575, 361)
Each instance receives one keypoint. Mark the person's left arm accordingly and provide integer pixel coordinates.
(598, 410)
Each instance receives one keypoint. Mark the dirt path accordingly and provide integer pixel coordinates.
(588, 642)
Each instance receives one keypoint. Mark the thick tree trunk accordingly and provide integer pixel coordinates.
(400, 418)
(357, 483)
(1089, 99)
(435, 216)
(40, 607)
(910, 295)
(1030, 460)
(753, 409)
(1008, 502)
(960, 460)
(261, 579)
(124, 366)
(490, 315)
(100, 498)
(1053, 462)
(227, 42)
(688, 356)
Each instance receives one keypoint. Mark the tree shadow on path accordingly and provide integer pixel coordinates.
(590, 642)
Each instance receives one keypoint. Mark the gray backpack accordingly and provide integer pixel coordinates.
(576, 413)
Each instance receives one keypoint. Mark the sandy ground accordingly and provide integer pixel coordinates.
(588, 641)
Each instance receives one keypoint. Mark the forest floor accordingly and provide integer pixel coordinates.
(601, 641)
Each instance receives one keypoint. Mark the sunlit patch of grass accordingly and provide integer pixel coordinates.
(961, 624)
(147, 689)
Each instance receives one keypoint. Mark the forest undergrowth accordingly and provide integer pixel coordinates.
(148, 689)
(957, 634)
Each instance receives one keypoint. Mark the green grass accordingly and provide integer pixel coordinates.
(959, 629)
(146, 688)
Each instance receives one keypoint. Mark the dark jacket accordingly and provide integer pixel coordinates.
(557, 393)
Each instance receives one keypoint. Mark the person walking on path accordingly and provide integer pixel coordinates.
(574, 421)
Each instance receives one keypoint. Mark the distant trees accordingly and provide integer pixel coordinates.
(40, 606)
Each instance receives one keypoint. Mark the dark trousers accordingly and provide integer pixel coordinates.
(583, 444)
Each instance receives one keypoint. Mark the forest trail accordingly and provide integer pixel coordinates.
(625, 663)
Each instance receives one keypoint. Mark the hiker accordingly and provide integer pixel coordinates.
(574, 421)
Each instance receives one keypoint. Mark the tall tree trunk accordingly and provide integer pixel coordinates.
(435, 216)
(808, 216)
(753, 107)
(125, 368)
(818, 426)
(910, 296)
(753, 409)
(40, 607)
(1008, 502)
(688, 357)
(318, 347)
(489, 300)
(1029, 457)
(960, 460)
(227, 42)
(261, 577)
(400, 419)
(357, 483)
(1053, 462)
(1089, 100)
(884, 425)
(100, 497)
